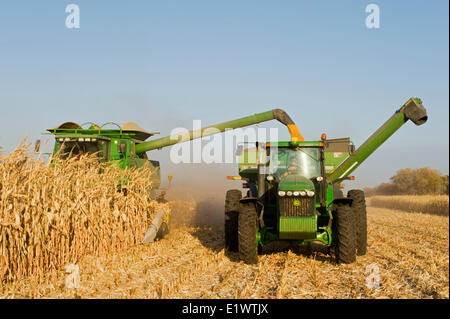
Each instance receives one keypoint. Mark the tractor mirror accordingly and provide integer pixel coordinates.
(122, 147)
(37, 146)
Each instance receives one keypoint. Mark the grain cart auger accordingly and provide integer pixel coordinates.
(294, 195)
(127, 146)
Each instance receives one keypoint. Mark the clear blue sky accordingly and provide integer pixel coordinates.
(164, 63)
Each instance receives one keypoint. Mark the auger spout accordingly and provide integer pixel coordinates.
(412, 110)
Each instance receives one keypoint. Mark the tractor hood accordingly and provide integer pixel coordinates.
(294, 183)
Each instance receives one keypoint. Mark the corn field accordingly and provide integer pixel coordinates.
(55, 213)
(428, 204)
(70, 213)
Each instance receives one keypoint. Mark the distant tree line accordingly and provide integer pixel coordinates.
(408, 181)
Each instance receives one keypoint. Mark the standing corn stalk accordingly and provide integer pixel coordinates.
(53, 214)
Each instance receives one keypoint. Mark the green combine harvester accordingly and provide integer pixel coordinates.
(294, 195)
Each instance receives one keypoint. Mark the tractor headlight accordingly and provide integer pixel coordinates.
(270, 178)
(281, 193)
(319, 178)
(303, 193)
(289, 193)
(296, 193)
(310, 193)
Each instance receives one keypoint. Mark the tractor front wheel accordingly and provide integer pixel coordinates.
(231, 219)
(359, 208)
(344, 226)
(247, 227)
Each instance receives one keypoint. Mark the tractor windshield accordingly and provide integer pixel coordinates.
(302, 161)
(78, 149)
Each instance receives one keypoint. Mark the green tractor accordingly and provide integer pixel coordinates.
(294, 192)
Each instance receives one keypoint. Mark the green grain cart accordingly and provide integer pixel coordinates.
(294, 195)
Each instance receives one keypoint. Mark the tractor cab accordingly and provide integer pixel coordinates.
(289, 168)
(294, 167)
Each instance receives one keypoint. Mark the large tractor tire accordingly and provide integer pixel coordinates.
(231, 219)
(359, 209)
(247, 227)
(344, 227)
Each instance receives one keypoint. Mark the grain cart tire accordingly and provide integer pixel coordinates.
(247, 223)
(231, 219)
(162, 231)
(344, 227)
(359, 208)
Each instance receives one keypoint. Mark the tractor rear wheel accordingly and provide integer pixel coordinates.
(359, 208)
(344, 227)
(247, 227)
(231, 219)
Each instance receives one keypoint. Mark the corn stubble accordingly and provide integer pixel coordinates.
(427, 204)
(410, 251)
(54, 215)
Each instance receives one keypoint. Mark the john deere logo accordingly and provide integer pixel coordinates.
(296, 202)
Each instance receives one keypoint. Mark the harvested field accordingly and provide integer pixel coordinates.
(410, 251)
(427, 204)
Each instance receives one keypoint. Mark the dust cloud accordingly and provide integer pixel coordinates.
(197, 194)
